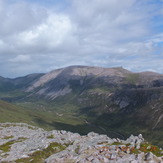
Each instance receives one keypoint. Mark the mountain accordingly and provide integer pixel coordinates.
(7, 84)
(79, 79)
(113, 101)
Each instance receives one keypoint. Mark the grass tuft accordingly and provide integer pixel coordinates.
(41, 155)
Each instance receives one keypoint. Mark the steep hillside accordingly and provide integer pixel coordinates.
(13, 89)
(13, 113)
(45, 119)
(75, 78)
(64, 81)
(7, 84)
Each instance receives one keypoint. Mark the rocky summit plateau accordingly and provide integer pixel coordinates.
(23, 143)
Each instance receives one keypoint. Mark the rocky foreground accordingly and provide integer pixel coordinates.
(24, 143)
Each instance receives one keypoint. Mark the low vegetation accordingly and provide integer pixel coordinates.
(6, 147)
(40, 155)
(132, 78)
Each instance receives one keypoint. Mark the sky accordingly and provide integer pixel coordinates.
(43, 35)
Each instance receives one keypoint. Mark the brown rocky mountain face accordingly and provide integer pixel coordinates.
(62, 81)
(108, 98)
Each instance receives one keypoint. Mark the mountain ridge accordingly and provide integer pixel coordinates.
(81, 66)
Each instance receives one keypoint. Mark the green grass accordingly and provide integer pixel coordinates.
(101, 89)
(6, 147)
(116, 143)
(41, 155)
(146, 147)
(50, 137)
(12, 113)
(135, 151)
(77, 149)
(132, 78)
(44, 119)
(8, 137)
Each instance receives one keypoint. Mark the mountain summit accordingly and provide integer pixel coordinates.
(60, 82)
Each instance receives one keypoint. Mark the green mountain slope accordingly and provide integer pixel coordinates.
(13, 113)
(42, 118)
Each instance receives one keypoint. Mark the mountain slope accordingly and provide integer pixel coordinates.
(64, 81)
(13, 113)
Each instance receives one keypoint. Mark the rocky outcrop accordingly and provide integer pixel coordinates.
(20, 142)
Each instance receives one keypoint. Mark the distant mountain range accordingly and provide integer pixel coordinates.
(113, 101)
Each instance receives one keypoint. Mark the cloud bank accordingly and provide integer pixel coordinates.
(38, 36)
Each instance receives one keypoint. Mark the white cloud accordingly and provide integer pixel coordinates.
(48, 34)
(157, 38)
(94, 32)
(19, 16)
(21, 58)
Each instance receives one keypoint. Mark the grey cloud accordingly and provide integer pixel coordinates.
(94, 32)
(20, 16)
(21, 58)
